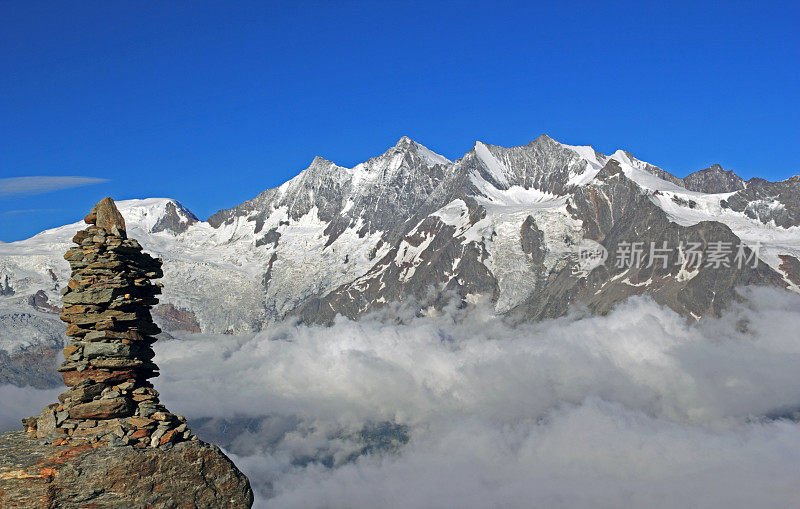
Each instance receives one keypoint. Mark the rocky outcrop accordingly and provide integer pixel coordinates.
(713, 179)
(5, 286)
(693, 291)
(117, 445)
(190, 474)
(173, 318)
(769, 202)
(39, 301)
(176, 219)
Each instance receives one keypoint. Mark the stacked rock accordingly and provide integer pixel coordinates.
(109, 359)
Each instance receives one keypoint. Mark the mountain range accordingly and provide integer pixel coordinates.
(501, 226)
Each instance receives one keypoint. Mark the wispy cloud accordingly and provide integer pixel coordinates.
(17, 212)
(37, 185)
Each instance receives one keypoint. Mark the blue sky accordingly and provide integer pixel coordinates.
(212, 102)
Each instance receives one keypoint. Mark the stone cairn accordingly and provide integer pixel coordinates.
(109, 359)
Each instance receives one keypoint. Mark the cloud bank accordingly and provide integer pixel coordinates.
(38, 185)
(19, 402)
(634, 409)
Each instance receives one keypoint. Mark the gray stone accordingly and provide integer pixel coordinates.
(94, 350)
(61, 417)
(46, 424)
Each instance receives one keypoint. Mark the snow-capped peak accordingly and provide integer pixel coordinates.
(143, 217)
(404, 141)
(428, 156)
(157, 214)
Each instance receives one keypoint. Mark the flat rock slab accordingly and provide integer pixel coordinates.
(190, 474)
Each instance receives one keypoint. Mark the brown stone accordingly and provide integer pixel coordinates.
(102, 409)
(168, 437)
(108, 217)
(101, 376)
(78, 238)
(73, 254)
(107, 308)
(160, 416)
(103, 335)
(69, 350)
(139, 433)
(76, 330)
(94, 430)
(140, 422)
(93, 318)
(106, 325)
(118, 363)
(79, 309)
(91, 295)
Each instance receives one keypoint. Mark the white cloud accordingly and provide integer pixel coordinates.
(635, 409)
(19, 402)
(37, 185)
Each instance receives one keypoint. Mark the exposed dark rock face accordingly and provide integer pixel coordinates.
(713, 180)
(39, 301)
(271, 237)
(383, 200)
(33, 365)
(428, 280)
(693, 291)
(532, 240)
(610, 207)
(174, 221)
(173, 318)
(5, 286)
(542, 164)
(769, 201)
(791, 267)
(189, 474)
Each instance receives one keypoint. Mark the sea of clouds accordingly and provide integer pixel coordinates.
(634, 409)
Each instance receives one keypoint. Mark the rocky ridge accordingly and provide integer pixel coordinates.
(497, 225)
(191, 474)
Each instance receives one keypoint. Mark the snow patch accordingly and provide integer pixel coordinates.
(495, 168)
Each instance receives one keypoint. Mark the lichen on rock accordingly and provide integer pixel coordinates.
(191, 474)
